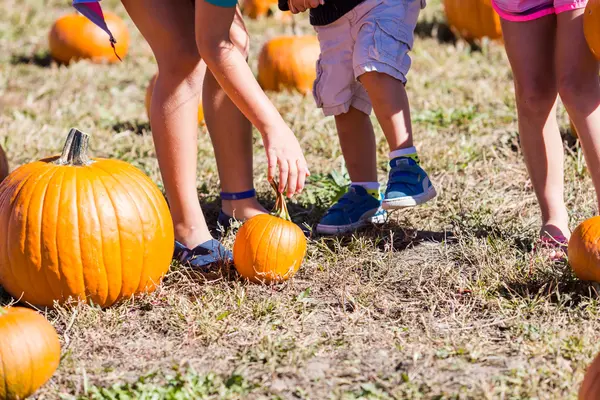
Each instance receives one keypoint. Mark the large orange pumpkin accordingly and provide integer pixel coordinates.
(148, 100)
(96, 230)
(584, 250)
(289, 62)
(29, 352)
(263, 8)
(473, 19)
(590, 387)
(591, 26)
(74, 37)
(269, 248)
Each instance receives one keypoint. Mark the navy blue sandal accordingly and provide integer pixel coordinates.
(204, 255)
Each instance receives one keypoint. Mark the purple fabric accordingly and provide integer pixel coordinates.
(92, 10)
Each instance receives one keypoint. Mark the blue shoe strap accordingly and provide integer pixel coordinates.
(239, 195)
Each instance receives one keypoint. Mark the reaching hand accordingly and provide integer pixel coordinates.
(298, 6)
(283, 151)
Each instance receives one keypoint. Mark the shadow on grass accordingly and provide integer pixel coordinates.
(43, 60)
(5, 298)
(137, 127)
(555, 287)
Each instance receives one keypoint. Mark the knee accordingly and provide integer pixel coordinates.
(577, 92)
(536, 97)
(182, 69)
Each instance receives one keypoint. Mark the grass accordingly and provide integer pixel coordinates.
(444, 302)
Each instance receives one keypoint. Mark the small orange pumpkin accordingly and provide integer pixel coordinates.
(591, 26)
(148, 100)
(255, 9)
(74, 37)
(584, 250)
(289, 62)
(473, 19)
(590, 387)
(90, 229)
(269, 248)
(29, 352)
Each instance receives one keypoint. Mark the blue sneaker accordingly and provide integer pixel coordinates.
(353, 210)
(408, 185)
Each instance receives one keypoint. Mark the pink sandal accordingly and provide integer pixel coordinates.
(554, 246)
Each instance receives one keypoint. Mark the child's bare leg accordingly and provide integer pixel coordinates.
(408, 184)
(530, 50)
(579, 87)
(390, 103)
(231, 137)
(169, 29)
(357, 140)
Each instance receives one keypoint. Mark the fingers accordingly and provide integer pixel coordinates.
(292, 180)
(284, 170)
(302, 174)
(272, 160)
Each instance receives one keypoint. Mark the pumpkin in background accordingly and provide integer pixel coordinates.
(591, 26)
(148, 100)
(590, 387)
(255, 9)
(74, 37)
(289, 62)
(584, 250)
(4, 168)
(269, 248)
(473, 19)
(29, 352)
(96, 230)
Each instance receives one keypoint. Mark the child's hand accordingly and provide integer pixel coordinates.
(298, 6)
(283, 151)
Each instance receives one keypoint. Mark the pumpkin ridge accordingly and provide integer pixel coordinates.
(248, 247)
(29, 357)
(278, 235)
(156, 217)
(120, 295)
(78, 224)
(11, 207)
(101, 239)
(49, 174)
(140, 221)
(55, 223)
(265, 230)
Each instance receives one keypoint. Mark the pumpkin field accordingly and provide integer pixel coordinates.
(444, 301)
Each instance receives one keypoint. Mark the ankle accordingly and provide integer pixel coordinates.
(243, 209)
(191, 236)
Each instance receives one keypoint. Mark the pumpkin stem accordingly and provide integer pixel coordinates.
(280, 209)
(75, 150)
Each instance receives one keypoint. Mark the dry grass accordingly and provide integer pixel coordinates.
(446, 301)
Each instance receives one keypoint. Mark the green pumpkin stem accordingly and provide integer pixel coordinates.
(75, 150)
(280, 209)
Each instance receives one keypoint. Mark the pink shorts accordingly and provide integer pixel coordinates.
(528, 10)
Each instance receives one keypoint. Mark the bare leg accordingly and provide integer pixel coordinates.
(169, 29)
(579, 87)
(357, 140)
(390, 103)
(530, 49)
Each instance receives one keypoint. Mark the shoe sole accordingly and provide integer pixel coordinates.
(409, 201)
(341, 229)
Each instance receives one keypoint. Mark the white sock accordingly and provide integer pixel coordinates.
(367, 185)
(403, 152)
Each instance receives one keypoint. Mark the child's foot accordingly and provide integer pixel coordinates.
(408, 185)
(203, 256)
(553, 241)
(352, 211)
